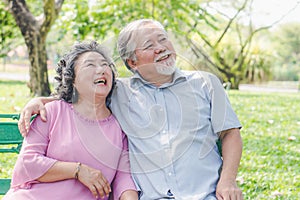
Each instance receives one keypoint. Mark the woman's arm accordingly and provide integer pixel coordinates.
(59, 171)
(129, 195)
(91, 178)
(123, 184)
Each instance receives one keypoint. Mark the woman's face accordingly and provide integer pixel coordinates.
(93, 77)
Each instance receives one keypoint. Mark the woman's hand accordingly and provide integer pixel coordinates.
(94, 180)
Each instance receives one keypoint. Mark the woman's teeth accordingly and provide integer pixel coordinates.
(100, 81)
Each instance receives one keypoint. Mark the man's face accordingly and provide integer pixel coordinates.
(155, 54)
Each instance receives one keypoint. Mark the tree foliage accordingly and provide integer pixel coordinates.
(226, 45)
(287, 51)
(103, 20)
(8, 32)
(34, 25)
(211, 38)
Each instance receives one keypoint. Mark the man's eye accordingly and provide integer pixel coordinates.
(148, 46)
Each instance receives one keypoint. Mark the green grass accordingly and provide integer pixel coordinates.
(13, 96)
(270, 163)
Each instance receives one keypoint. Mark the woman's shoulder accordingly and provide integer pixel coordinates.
(57, 106)
(115, 123)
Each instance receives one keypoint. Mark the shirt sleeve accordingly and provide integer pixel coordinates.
(223, 116)
(32, 162)
(123, 180)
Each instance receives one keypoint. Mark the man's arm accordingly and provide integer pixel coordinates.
(232, 151)
(34, 106)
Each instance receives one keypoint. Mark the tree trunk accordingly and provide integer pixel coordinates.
(35, 30)
(39, 84)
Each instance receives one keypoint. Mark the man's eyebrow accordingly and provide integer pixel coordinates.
(146, 42)
(162, 34)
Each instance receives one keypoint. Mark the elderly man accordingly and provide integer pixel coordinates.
(172, 120)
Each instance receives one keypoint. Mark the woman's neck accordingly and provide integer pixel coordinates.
(92, 110)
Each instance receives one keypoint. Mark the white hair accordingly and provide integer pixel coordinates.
(127, 36)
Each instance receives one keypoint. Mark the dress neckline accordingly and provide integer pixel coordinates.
(88, 120)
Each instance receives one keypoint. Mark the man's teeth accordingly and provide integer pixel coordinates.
(161, 58)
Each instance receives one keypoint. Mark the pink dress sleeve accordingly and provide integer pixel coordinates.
(123, 180)
(32, 162)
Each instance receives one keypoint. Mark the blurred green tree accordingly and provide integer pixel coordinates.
(219, 42)
(34, 19)
(287, 52)
(8, 32)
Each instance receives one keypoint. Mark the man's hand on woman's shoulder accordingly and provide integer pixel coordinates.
(34, 106)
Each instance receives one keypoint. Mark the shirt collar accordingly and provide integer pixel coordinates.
(178, 75)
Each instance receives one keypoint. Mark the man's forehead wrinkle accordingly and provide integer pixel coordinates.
(147, 33)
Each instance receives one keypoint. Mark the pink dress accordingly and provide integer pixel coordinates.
(67, 136)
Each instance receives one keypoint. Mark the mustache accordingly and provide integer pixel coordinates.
(163, 54)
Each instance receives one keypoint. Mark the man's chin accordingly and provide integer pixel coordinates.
(165, 70)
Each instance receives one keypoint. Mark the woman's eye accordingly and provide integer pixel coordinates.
(104, 65)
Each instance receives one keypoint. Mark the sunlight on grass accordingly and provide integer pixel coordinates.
(271, 156)
(271, 136)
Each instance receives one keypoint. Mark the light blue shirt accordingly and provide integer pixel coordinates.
(172, 132)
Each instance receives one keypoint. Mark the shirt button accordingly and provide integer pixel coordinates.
(170, 174)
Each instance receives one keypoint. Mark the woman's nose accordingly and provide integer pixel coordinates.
(101, 69)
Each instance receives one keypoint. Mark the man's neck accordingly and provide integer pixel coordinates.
(158, 81)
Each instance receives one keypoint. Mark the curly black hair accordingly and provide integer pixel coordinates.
(66, 70)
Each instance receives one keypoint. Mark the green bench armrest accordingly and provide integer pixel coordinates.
(10, 142)
(4, 185)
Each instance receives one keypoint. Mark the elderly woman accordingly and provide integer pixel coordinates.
(81, 151)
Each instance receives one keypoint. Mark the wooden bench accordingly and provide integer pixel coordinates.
(10, 142)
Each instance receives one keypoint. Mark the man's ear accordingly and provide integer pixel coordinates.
(131, 63)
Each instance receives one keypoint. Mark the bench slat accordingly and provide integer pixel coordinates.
(10, 142)
(4, 185)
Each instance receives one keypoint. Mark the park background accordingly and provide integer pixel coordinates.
(252, 46)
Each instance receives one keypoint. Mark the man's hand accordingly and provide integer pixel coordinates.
(228, 190)
(34, 106)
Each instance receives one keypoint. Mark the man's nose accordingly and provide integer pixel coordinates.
(159, 48)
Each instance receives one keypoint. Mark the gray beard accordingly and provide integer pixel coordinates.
(167, 68)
